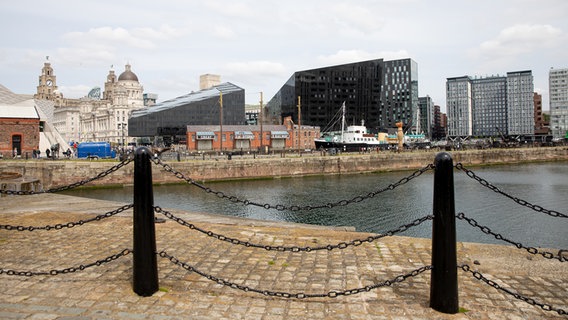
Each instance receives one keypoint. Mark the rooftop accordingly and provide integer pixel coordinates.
(8, 97)
(18, 112)
(201, 95)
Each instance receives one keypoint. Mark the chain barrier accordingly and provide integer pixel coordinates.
(329, 247)
(498, 236)
(55, 272)
(299, 295)
(60, 226)
(477, 275)
(281, 207)
(73, 185)
(522, 202)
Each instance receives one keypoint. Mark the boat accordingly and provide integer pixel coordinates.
(353, 139)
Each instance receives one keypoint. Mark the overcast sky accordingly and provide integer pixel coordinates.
(257, 45)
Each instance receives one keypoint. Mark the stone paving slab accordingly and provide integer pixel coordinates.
(105, 291)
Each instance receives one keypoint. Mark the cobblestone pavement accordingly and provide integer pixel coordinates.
(105, 291)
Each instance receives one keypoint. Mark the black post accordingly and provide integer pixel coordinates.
(444, 279)
(145, 266)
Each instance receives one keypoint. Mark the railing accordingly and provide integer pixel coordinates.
(444, 267)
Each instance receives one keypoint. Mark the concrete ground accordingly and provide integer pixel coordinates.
(106, 291)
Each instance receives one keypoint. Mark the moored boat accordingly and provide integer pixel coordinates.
(354, 138)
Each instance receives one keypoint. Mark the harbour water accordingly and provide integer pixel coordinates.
(542, 184)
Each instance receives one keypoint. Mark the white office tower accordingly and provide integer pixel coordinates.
(558, 90)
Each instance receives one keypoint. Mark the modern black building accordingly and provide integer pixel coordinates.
(171, 118)
(380, 93)
(426, 115)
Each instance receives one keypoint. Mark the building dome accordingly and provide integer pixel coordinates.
(128, 75)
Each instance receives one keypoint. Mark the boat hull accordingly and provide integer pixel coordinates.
(349, 147)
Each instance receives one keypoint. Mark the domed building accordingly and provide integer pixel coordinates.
(127, 82)
(93, 118)
(128, 75)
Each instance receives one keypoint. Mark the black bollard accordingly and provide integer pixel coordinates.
(444, 278)
(145, 266)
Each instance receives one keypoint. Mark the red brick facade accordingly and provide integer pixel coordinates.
(22, 134)
(248, 138)
(540, 126)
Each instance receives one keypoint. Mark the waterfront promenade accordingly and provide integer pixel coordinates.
(105, 291)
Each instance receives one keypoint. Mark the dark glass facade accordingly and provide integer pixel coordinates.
(426, 107)
(378, 92)
(171, 118)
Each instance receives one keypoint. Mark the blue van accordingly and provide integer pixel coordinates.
(95, 150)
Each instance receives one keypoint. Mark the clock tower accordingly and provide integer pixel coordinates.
(47, 86)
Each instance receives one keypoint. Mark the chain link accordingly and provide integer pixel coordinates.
(498, 236)
(55, 272)
(329, 247)
(477, 275)
(522, 202)
(60, 226)
(281, 207)
(73, 185)
(299, 295)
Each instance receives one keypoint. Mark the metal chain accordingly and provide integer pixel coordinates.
(522, 202)
(477, 275)
(299, 295)
(329, 247)
(281, 207)
(60, 226)
(73, 185)
(55, 272)
(498, 236)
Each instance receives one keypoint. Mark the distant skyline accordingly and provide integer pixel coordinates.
(258, 45)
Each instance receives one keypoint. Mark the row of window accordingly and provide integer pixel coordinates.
(232, 137)
(396, 68)
(364, 139)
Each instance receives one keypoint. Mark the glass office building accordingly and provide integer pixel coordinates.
(380, 93)
(171, 117)
(558, 88)
(459, 106)
(490, 106)
(426, 116)
(520, 102)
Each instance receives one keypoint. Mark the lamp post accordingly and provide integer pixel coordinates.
(122, 126)
(299, 124)
(259, 119)
(220, 119)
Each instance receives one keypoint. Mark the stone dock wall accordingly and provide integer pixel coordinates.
(53, 173)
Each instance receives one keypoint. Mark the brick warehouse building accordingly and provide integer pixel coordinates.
(248, 137)
(19, 130)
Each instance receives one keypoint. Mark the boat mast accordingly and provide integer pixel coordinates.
(343, 121)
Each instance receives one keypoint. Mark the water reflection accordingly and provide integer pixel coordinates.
(541, 184)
